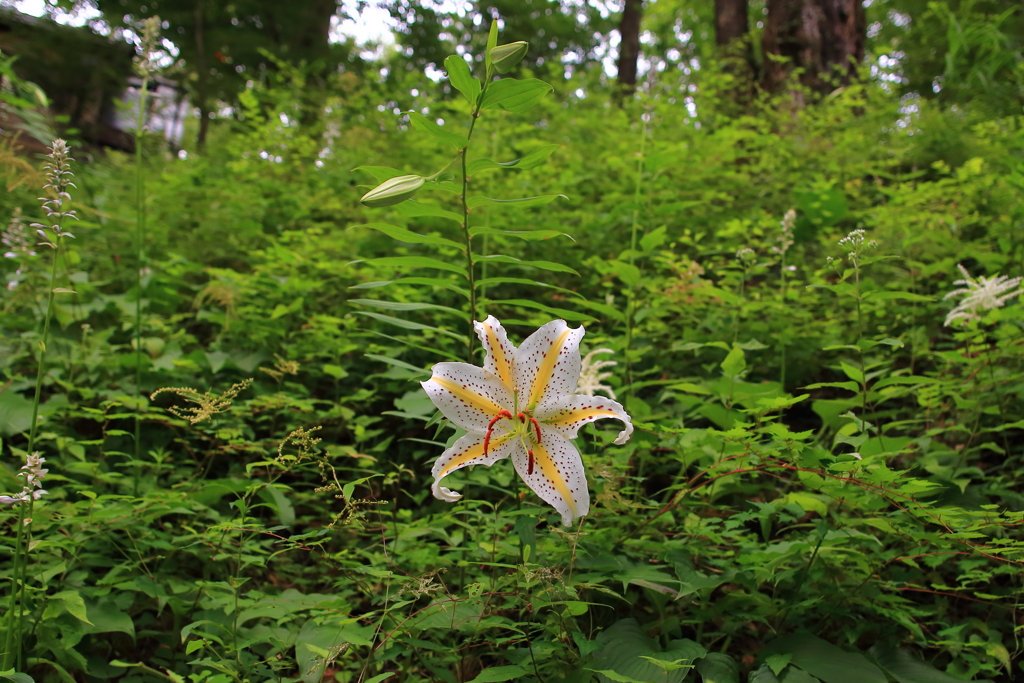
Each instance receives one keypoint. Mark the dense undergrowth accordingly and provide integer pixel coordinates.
(824, 480)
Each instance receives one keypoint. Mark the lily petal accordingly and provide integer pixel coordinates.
(575, 411)
(547, 366)
(469, 450)
(557, 474)
(467, 395)
(500, 352)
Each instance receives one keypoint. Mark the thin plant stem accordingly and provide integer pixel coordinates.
(140, 231)
(465, 217)
(634, 228)
(785, 294)
(10, 646)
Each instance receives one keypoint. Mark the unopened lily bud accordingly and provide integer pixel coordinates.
(393, 191)
(505, 57)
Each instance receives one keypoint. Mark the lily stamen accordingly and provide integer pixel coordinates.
(490, 427)
(536, 426)
(529, 463)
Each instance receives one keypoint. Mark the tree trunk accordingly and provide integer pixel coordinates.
(824, 38)
(202, 78)
(730, 21)
(629, 47)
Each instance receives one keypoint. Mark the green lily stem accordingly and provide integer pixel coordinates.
(140, 231)
(12, 620)
(631, 293)
(465, 217)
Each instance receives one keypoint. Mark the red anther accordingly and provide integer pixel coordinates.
(537, 427)
(522, 418)
(529, 463)
(490, 427)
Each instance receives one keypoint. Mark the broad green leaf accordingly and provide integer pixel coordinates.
(531, 160)
(541, 265)
(716, 667)
(734, 364)
(408, 324)
(461, 78)
(528, 235)
(106, 617)
(514, 94)
(428, 281)
(615, 676)
(523, 203)
(557, 312)
(906, 668)
(826, 661)
(778, 662)
(413, 209)
(499, 674)
(401, 306)
(849, 386)
(73, 603)
(380, 677)
(627, 272)
(412, 262)
(408, 236)
(623, 647)
(422, 123)
(853, 373)
(14, 677)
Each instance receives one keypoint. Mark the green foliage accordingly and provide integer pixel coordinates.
(824, 483)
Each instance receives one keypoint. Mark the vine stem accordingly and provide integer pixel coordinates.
(140, 230)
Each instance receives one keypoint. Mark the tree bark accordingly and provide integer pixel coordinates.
(629, 47)
(824, 38)
(730, 21)
(202, 78)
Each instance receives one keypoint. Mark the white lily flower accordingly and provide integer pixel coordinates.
(521, 404)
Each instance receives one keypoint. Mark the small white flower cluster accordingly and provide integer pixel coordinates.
(786, 228)
(15, 238)
(148, 61)
(58, 174)
(591, 375)
(33, 473)
(983, 294)
(746, 256)
(857, 243)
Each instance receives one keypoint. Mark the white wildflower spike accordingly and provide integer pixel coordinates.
(591, 375)
(521, 404)
(983, 294)
(33, 473)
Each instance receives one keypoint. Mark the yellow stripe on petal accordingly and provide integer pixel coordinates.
(472, 453)
(469, 396)
(502, 363)
(554, 477)
(569, 417)
(546, 369)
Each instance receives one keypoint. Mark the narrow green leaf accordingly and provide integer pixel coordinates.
(380, 173)
(541, 265)
(427, 281)
(400, 306)
(408, 324)
(414, 209)
(615, 676)
(495, 281)
(514, 94)
(408, 236)
(531, 160)
(522, 203)
(528, 235)
(397, 363)
(492, 41)
(381, 677)
(415, 262)
(462, 79)
(422, 123)
(557, 312)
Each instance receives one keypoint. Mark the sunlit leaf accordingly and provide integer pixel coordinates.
(401, 262)
(541, 265)
(514, 94)
(408, 324)
(461, 78)
(422, 123)
(523, 203)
